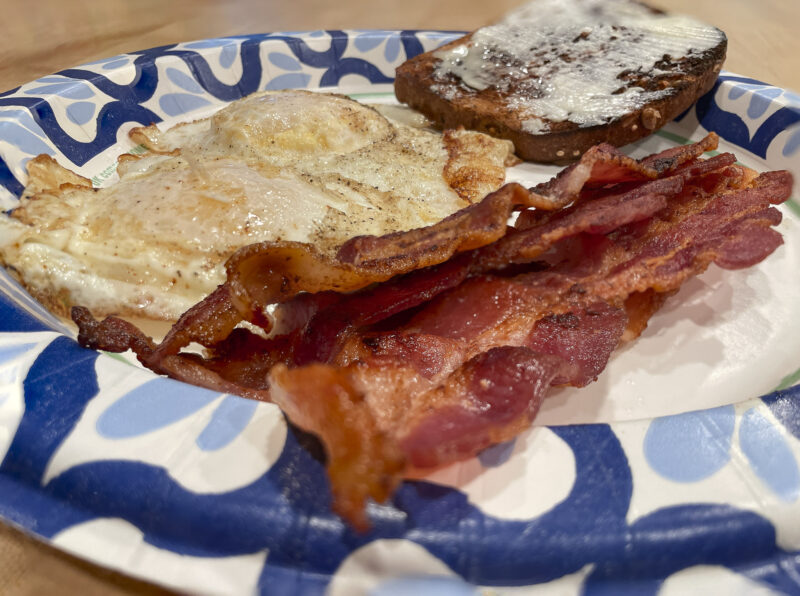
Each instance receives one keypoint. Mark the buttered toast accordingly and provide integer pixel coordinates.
(558, 76)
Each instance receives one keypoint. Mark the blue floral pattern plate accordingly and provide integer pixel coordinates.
(669, 475)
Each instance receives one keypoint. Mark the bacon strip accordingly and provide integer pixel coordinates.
(450, 411)
(360, 457)
(486, 314)
(270, 273)
(535, 232)
(491, 398)
(604, 164)
(457, 350)
(671, 159)
(328, 326)
(274, 272)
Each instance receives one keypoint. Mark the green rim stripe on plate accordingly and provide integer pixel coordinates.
(794, 206)
(679, 139)
(791, 203)
(116, 356)
(110, 170)
(789, 381)
(373, 94)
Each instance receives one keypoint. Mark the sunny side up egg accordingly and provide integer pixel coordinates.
(291, 165)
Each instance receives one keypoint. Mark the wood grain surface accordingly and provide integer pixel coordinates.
(43, 36)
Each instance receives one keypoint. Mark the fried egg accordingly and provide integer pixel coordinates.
(291, 165)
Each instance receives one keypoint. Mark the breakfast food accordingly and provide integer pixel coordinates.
(557, 77)
(420, 348)
(292, 165)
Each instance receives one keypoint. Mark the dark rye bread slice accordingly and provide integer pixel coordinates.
(449, 103)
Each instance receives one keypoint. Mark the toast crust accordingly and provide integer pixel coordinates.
(450, 103)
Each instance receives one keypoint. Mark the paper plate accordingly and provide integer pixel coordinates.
(669, 475)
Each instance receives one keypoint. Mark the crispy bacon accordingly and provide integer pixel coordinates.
(112, 334)
(438, 405)
(490, 398)
(604, 164)
(672, 158)
(274, 272)
(584, 338)
(535, 232)
(327, 401)
(327, 327)
(420, 348)
(639, 307)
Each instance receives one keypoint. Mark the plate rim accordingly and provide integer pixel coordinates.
(756, 88)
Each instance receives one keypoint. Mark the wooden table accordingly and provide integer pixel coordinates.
(41, 37)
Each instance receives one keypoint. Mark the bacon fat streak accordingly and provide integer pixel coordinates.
(421, 348)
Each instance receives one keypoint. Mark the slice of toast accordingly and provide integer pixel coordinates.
(559, 76)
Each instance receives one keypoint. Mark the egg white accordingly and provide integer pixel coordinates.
(292, 165)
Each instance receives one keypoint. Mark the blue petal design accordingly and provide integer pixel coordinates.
(9, 353)
(177, 104)
(94, 62)
(24, 118)
(153, 405)
(59, 79)
(23, 139)
(368, 41)
(227, 56)
(285, 61)
(69, 89)
(51, 88)
(116, 64)
(392, 49)
(80, 112)
(14, 351)
(316, 34)
(769, 455)
(112, 116)
(496, 455)
(731, 125)
(541, 549)
(760, 102)
(692, 446)
(79, 92)
(207, 43)
(184, 81)
(411, 44)
(737, 91)
(227, 422)
(289, 81)
(441, 586)
(792, 144)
